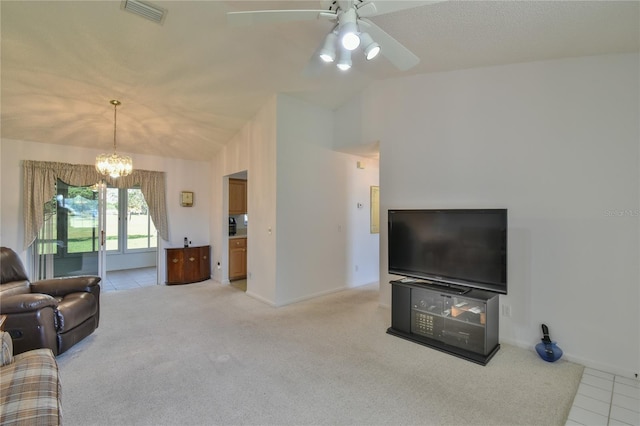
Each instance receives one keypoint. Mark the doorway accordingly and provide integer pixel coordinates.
(238, 227)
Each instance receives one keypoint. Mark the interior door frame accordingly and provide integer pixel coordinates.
(102, 221)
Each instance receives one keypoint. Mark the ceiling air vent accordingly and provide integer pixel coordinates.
(145, 9)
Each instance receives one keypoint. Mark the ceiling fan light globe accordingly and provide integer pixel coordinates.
(328, 51)
(350, 41)
(344, 61)
(326, 57)
(370, 47)
(348, 30)
(372, 51)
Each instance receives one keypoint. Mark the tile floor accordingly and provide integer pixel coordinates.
(143, 277)
(128, 279)
(605, 399)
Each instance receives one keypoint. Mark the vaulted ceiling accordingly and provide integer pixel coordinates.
(189, 84)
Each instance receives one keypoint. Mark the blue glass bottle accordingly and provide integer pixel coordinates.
(548, 349)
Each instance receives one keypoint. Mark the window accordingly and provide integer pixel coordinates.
(128, 215)
(112, 227)
(140, 231)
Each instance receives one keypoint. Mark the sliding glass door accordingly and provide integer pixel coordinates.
(71, 240)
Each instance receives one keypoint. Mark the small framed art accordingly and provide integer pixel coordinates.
(186, 199)
(375, 209)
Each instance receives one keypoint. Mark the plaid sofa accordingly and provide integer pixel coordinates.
(30, 388)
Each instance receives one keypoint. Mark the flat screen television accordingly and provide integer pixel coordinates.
(456, 247)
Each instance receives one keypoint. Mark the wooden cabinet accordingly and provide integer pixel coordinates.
(188, 264)
(237, 258)
(237, 196)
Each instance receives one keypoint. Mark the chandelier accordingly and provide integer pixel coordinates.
(114, 165)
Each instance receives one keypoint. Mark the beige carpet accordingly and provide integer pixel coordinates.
(209, 354)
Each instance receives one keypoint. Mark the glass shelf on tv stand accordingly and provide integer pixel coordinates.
(446, 288)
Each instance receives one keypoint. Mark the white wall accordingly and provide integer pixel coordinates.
(261, 205)
(363, 247)
(320, 228)
(305, 233)
(557, 143)
(252, 149)
(192, 222)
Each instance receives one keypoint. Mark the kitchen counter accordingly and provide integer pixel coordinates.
(239, 234)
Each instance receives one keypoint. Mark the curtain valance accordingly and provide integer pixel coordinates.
(40, 179)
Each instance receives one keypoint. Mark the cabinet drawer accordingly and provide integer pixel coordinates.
(238, 243)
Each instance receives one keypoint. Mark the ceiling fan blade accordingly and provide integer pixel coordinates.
(380, 7)
(391, 48)
(274, 16)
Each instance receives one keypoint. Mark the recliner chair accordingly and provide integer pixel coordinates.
(55, 313)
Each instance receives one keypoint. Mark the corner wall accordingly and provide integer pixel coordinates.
(322, 234)
(557, 144)
(252, 149)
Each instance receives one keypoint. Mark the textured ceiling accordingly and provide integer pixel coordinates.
(188, 85)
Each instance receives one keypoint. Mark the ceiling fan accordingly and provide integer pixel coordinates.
(351, 29)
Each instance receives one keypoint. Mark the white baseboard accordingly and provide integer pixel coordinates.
(312, 296)
(607, 368)
(260, 298)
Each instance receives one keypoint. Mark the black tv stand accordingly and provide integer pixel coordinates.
(447, 288)
(436, 315)
(435, 285)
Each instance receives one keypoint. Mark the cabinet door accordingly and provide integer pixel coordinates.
(244, 259)
(175, 266)
(237, 196)
(192, 264)
(243, 196)
(205, 263)
(467, 310)
(237, 258)
(465, 325)
(427, 313)
(236, 263)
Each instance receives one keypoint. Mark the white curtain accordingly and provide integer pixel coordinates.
(42, 254)
(40, 186)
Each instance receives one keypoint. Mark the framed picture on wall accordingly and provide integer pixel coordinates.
(375, 209)
(186, 199)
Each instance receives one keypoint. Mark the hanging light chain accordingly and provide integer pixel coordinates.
(115, 104)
